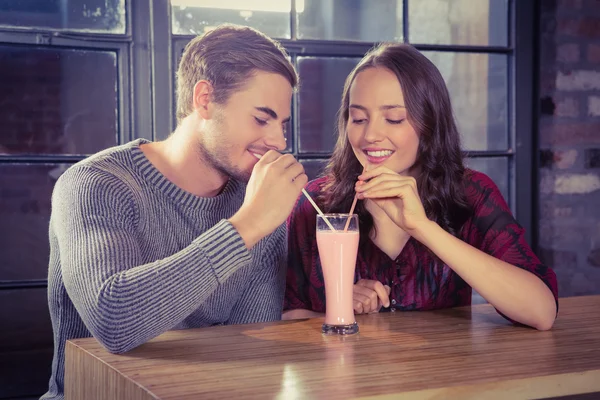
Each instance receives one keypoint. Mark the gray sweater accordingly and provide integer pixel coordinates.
(132, 255)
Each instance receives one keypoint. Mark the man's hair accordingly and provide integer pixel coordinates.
(226, 57)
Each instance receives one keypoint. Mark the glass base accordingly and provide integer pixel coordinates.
(339, 329)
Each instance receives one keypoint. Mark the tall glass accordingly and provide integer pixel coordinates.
(337, 251)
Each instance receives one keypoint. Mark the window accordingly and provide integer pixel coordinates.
(78, 76)
(64, 85)
(467, 40)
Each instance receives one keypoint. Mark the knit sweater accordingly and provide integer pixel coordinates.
(132, 255)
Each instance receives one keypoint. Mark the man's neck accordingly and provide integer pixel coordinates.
(178, 159)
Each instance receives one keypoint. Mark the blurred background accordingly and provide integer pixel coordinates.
(78, 76)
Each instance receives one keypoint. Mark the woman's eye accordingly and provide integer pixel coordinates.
(395, 121)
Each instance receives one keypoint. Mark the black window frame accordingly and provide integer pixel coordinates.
(148, 52)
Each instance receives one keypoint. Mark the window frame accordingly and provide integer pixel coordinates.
(149, 52)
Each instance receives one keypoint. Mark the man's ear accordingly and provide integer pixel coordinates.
(202, 98)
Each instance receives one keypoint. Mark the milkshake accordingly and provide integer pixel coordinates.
(337, 252)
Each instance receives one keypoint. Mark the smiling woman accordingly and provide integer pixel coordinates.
(431, 229)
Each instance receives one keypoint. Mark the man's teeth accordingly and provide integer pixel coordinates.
(259, 156)
(380, 153)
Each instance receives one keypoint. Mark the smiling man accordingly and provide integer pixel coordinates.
(187, 232)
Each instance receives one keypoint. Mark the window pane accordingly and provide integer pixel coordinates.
(459, 22)
(192, 17)
(357, 20)
(104, 16)
(319, 99)
(25, 194)
(494, 167)
(313, 168)
(479, 91)
(57, 101)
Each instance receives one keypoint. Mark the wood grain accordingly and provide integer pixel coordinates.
(459, 353)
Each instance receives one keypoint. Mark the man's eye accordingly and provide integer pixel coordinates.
(261, 122)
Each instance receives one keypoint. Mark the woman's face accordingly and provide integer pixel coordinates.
(378, 127)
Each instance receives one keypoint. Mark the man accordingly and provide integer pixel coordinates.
(147, 237)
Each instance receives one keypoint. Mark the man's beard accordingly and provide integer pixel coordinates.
(219, 161)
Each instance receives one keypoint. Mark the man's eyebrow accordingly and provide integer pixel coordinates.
(358, 107)
(267, 111)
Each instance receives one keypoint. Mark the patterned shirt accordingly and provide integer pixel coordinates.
(418, 282)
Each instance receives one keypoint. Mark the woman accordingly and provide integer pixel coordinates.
(430, 228)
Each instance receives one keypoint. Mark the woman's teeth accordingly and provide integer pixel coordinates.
(379, 153)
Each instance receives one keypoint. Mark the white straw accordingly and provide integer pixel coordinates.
(318, 210)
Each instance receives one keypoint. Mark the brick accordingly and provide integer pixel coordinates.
(592, 158)
(547, 184)
(565, 159)
(568, 107)
(582, 285)
(546, 158)
(594, 258)
(592, 5)
(578, 80)
(594, 106)
(569, 4)
(547, 106)
(553, 235)
(547, 81)
(558, 258)
(551, 212)
(561, 159)
(568, 53)
(570, 134)
(593, 53)
(576, 183)
(582, 27)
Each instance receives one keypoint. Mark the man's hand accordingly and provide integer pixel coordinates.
(274, 186)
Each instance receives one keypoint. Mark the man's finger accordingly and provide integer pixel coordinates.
(269, 157)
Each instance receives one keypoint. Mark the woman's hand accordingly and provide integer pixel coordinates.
(369, 296)
(396, 195)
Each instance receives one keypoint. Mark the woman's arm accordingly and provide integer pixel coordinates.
(515, 292)
(502, 268)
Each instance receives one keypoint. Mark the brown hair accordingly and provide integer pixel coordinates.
(439, 156)
(226, 57)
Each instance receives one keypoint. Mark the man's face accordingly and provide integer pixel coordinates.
(251, 122)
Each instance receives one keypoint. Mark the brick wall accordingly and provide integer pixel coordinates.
(569, 139)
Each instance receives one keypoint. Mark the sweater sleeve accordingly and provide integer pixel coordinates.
(123, 301)
(262, 300)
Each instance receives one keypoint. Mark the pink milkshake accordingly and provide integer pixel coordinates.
(337, 251)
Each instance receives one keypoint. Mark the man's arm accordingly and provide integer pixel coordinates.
(263, 298)
(124, 301)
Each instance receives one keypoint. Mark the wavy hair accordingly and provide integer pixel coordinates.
(439, 157)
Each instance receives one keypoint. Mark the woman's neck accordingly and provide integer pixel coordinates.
(386, 235)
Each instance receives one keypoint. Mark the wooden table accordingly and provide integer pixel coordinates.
(464, 353)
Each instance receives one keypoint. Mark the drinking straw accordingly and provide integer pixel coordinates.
(318, 210)
(353, 205)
